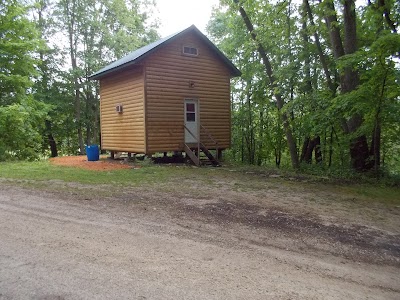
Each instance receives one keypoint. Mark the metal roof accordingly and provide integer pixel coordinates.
(139, 54)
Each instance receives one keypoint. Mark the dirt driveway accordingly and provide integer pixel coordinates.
(80, 242)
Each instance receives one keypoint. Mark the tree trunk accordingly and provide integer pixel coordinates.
(375, 151)
(317, 150)
(70, 16)
(331, 148)
(334, 30)
(250, 127)
(45, 78)
(309, 147)
(349, 80)
(304, 149)
(52, 142)
(321, 54)
(314, 144)
(261, 135)
(272, 82)
(386, 13)
(96, 124)
(309, 151)
(358, 146)
(307, 60)
(242, 135)
(278, 154)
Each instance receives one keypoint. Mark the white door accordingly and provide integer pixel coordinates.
(191, 120)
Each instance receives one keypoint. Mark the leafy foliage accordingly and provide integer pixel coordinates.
(20, 125)
(18, 41)
(47, 52)
(310, 76)
(49, 49)
(21, 117)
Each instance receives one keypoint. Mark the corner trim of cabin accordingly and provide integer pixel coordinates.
(146, 136)
(198, 117)
(100, 109)
(230, 113)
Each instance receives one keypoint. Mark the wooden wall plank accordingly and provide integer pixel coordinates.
(168, 73)
(153, 99)
(126, 131)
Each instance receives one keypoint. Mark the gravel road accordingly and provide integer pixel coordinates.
(55, 245)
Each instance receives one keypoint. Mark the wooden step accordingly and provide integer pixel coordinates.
(209, 155)
(191, 155)
(203, 158)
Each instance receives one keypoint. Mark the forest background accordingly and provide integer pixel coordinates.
(320, 87)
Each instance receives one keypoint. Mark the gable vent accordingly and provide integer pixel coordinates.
(190, 51)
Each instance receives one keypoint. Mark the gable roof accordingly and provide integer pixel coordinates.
(137, 55)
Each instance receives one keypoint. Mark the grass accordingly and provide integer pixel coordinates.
(148, 174)
(173, 178)
(44, 171)
(378, 193)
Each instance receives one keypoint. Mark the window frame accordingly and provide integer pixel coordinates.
(190, 54)
(193, 112)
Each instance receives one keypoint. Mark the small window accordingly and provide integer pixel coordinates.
(190, 107)
(190, 117)
(190, 51)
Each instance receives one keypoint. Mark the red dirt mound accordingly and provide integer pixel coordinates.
(103, 164)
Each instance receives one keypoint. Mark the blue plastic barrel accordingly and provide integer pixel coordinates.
(92, 152)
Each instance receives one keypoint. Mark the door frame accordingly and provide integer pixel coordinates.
(197, 120)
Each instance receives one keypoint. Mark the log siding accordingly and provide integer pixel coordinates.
(168, 74)
(125, 131)
(152, 84)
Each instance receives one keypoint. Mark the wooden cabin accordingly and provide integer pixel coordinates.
(171, 95)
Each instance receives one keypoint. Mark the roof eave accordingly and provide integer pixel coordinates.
(235, 72)
(96, 76)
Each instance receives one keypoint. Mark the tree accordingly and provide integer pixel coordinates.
(21, 117)
(273, 84)
(332, 86)
(18, 41)
(47, 52)
(98, 32)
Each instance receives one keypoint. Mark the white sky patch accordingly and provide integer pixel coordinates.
(176, 15)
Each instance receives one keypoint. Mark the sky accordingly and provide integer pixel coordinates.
(176, 15)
